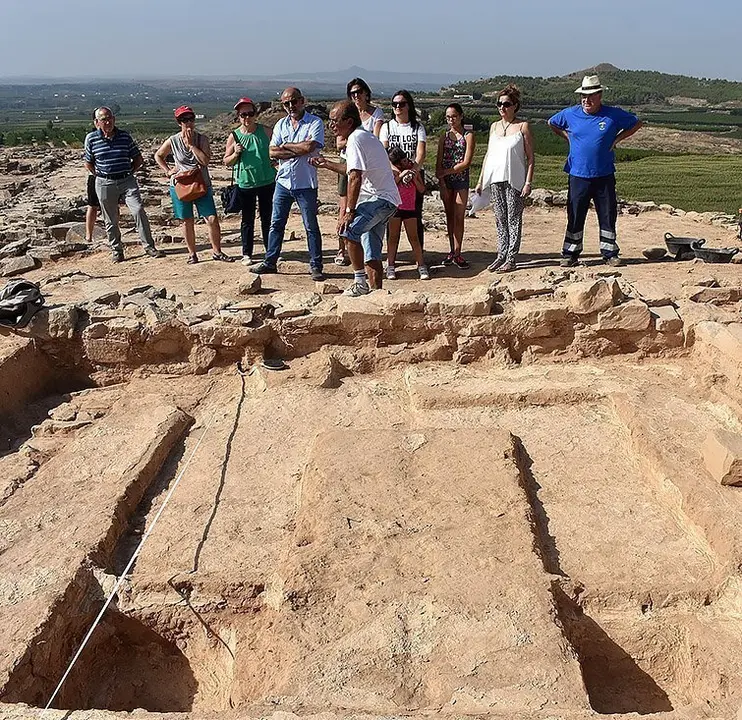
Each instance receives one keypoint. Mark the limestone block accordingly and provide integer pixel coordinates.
(476, 303)
(327, 288)
(652, 293)
(666, 319)
(283, 312)
(522, 289)
(632, 316)
(106, 297)
(540, 196)
(18, 265)
(361, 315)
(201, 357)
(250, 284)
(215, 334)
(59, 232)
(55, 322)
(722, 453)
(531, 320)
(108, 350)
(399, 302)
(717, 296)
(13, 249)
(295, 304)
(591, 296)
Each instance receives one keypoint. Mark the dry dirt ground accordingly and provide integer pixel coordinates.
(459, 499)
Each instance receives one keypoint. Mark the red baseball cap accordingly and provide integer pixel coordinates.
(243, 101)
(183, 110)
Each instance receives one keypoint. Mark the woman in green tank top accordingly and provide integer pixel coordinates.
(247, 152)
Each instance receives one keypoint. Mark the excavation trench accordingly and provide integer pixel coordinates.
(422, 539)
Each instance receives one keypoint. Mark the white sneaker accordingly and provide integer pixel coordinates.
(391, 272)
(423, 272)
(357, 290)
(247, 260)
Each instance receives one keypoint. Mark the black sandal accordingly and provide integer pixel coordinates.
(192, 259)
(221, 256)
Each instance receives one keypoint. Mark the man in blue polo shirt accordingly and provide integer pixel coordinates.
(296, 138)
(592, 131)
(113, 157)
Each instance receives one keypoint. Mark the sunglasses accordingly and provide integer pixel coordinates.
(105, 118)
(291, 102)
(247, 113)
(186, 118)
(356, 93)
(505, 104)
(400, 104)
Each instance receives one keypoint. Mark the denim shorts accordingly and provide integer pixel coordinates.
(459, 181)
(184, 210)
(368, 227)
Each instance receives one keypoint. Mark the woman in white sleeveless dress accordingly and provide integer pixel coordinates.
(508, 170)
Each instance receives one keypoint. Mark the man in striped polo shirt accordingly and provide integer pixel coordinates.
(113, 157)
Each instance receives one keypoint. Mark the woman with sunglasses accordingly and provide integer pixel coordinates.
(372, 117)
(190, 150)
(455, 153)
(508, 170)
(247, 150)
(405, 131)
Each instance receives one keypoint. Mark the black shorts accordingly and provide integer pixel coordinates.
(406, 214)
(92, 195)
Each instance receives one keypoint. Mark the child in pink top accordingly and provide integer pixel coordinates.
(409, 184)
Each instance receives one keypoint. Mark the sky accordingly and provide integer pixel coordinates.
(471, 38)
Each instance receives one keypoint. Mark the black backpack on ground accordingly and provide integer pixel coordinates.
(20, 300)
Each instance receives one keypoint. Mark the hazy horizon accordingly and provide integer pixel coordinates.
(85, 39)
(323, 72)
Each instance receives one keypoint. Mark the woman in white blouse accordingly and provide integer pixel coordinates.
(508, 170)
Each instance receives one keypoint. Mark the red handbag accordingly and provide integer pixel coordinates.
(190, 185)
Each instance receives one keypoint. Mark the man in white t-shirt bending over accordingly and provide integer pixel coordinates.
(372, 196)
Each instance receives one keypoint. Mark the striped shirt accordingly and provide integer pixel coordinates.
(110, 156)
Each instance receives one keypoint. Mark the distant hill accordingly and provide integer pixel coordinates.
(627, 87)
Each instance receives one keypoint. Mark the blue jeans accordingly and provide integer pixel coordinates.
(306, 199)
(368, 226)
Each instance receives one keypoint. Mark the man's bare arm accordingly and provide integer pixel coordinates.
(560, 132)
(301, 148)
(279, 152)
(627, 133)
(354, 189)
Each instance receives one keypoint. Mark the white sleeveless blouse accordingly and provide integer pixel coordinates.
(506, 160)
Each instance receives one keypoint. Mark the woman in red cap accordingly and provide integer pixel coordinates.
(247, 152)
(190, 150)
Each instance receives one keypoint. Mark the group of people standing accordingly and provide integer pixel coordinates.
(380, 178)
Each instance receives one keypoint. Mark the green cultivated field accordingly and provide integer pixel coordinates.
(691, 182)
(704, 183)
